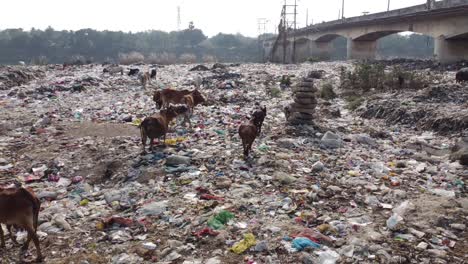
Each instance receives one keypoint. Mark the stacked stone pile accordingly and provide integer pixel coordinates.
(303, 108)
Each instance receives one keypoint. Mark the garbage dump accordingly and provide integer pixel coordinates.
(384, 183)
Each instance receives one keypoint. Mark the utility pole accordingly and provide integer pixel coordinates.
(307, 17)
(178, 18)
(295, 29)
(388, 6)
(342, 9)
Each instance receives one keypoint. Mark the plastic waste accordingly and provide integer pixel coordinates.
(300, 243)
(246, 243)
(328, 257)
(220, 220)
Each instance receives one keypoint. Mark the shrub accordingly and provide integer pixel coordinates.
(41, 60)
(131, 58)
(327, 92)
(187, 58)
(209, 59)
(77, 60)
(354, 102)
(275, 92)
(366, 77)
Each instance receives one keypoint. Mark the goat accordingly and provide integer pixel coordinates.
(248, 133)
(20, 207)
(156, 126)
(185, 111)
(153, 73)
(198, 81)
(133, 72)
(144, 78)
(259, 116)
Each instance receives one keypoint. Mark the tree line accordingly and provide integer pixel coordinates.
(153, 46)
(189, 45)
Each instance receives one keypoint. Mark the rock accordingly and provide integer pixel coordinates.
(223, 183)
(399, 194)
(437, 253)
(422, 246)
(261, 246)
(331, 143)
(330, 135)
(214, 260)
(172, 256)
(287, 143)
(303, 95)
(64, 182)
(284, 178)
(318, 166)
(174, 243)
(149, 246)
(365, 139)
(460, 227)
(334, 188)
(307, 258)
(47, 195)
(127, 118)
(60, 221)
(443, 193)
(154, 208)
(305, 101)
(176, 160)
(304, 89)
(112, 196)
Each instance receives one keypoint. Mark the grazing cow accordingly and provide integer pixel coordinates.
(133, 72)
(259, 116)
(153, 73)
(20, 207)
(156, 126)
(462, 75)
(248, 133)
(167, 96)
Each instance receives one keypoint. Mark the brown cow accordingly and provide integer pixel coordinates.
(167, 96)
(20, 207)
(156, 126)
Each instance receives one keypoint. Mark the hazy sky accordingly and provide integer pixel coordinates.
(212, 16)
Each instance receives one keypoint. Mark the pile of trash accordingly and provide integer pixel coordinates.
(423, 109)
(16, 76)
(344, 190)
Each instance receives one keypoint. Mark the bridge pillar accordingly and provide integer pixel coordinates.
(448, 51)
(361, 49)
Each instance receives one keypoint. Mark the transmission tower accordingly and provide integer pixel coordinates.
(288, 16)
(262, 22)
(179, 22)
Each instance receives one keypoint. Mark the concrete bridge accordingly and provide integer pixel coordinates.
(446, 21)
